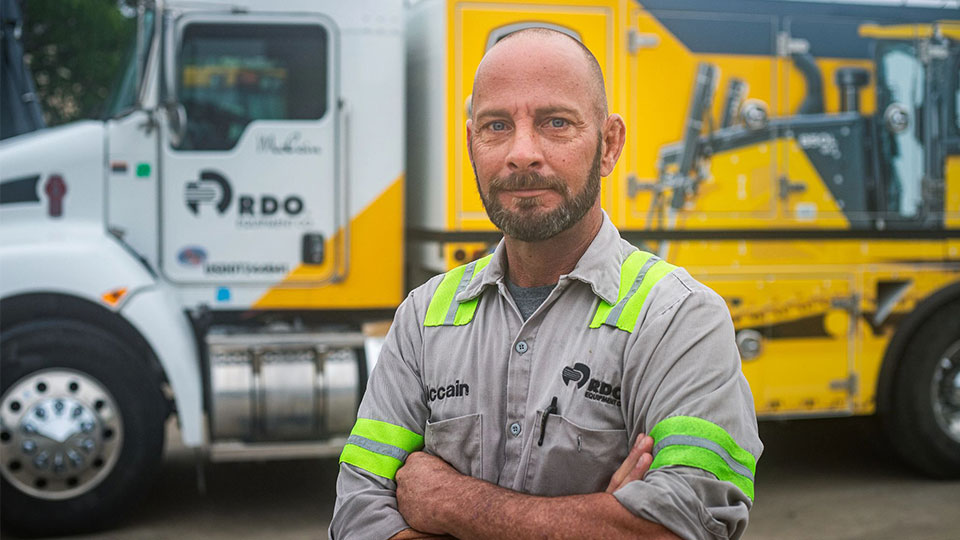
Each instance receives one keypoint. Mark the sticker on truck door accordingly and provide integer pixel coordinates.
(252, 209)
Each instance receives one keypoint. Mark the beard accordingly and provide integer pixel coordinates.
(526, 223)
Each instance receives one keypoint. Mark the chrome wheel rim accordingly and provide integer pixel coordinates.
(945, 391)
(60, 434)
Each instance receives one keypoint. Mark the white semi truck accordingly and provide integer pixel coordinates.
(211, 249)
(272, 176)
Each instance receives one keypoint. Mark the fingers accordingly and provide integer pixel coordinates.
(643, 465)
(640, 456)
(645, 443)
(628, 464)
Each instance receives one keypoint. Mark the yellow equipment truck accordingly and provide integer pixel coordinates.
(819, 194)
(215, 248)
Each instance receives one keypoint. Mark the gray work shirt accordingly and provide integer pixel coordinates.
(680, 360)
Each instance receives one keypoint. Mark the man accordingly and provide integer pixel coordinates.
(524, 376)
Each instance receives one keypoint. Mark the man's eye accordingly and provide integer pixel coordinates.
(558, 123)
(498, 126)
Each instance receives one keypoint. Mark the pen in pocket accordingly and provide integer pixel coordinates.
(551, 409)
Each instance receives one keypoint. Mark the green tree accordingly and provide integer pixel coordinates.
(75, 50)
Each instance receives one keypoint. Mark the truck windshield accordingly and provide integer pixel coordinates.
(124, 95)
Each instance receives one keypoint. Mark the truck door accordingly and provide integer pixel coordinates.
(249, 154)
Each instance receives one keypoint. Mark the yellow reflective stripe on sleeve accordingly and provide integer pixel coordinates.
(694, 442)
(628, 274)
(385, 433)
(378, 464)
(379, 447)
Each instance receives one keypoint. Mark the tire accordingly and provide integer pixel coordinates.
(82, 428)
(923, 422)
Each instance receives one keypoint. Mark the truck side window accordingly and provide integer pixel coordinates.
(233, 74)
(901, 82)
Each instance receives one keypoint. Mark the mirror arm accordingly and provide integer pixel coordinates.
(171, 106)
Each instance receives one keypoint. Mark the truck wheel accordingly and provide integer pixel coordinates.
(81, 428)
(924, 421)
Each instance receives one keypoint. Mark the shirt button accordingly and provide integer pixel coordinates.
(515, 429)
(521, 347)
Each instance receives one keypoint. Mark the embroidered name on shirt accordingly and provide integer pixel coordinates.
(457, 389)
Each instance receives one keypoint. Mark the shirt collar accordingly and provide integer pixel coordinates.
(599, 267)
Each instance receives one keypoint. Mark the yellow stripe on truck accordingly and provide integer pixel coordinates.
(375, 244)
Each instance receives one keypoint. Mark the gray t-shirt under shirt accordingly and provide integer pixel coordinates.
(528, 299)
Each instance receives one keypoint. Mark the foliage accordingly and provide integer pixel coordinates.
(75, 50)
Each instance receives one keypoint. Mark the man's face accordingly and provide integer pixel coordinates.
(535, 139)
(531, 220)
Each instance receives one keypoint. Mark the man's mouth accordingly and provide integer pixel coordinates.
(524, 193)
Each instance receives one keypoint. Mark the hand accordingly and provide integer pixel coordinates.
(424, 482)
(635, 466)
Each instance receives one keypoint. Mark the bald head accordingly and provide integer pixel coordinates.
(518, 46)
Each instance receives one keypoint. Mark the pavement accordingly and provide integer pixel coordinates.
(818, 479)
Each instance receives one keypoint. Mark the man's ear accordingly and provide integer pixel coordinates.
(614, 135)
(470, 139)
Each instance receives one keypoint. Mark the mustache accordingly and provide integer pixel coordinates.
(528, 180)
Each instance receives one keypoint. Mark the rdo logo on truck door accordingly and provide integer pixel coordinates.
(213, 190)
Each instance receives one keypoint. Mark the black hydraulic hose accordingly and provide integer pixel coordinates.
(813, 101)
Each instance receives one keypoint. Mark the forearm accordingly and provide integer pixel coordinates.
(479, 509)
(413, 534)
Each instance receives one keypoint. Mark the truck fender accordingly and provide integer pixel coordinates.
(83, 261)
(156, 315)
(905, 330)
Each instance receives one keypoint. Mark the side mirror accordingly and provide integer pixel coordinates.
(177, 122)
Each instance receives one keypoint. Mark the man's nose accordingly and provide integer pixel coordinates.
(525, 153)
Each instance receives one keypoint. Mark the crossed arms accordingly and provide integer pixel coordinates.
(435, 499)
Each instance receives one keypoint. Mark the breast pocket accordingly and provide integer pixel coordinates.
(573, 459)
(458, 441)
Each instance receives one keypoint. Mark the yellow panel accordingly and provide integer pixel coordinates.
(742, 191)
(739, 193)
(375, 244)
(952, 195)
(806, 349)
(471, 25)
(660, 82)
(816, 206)
(950, 29)
(802, 256)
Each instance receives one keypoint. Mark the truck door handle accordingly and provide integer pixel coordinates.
(312, 248)
(788, 188)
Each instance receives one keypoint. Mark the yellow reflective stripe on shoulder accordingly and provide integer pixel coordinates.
(638, 274)
(444, 310)
(631, 310)
(628, 274)
(695, 442)
(379, 447)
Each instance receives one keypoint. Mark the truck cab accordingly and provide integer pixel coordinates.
(213, 248)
